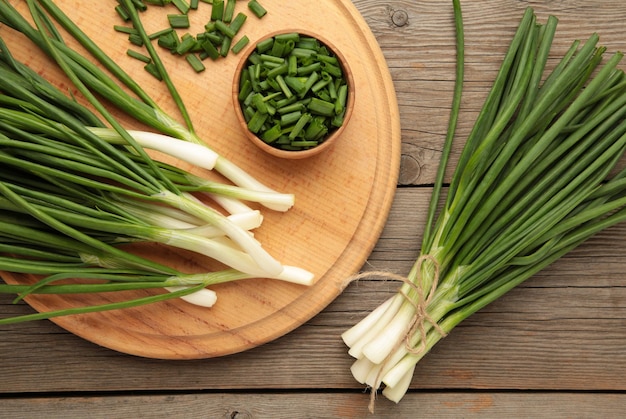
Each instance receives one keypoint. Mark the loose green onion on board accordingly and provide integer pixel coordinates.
(76, 186)
(256, 8)
(217, 40)
(534, 180)
(288, 91)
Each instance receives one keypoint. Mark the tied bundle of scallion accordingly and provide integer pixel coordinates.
(75, 189)
(536, 178)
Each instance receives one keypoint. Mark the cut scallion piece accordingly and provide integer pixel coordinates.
(256, 8)
(195, 63)
(178, 21)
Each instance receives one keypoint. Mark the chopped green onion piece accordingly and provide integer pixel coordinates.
(265, 45)
(181, 5)
(256, 8)
(210, 49)
(225, 29)
(217, 10)
(283, 86)
(178, 21)
(290, 118)
(225, 47)
(187, 43)
(304, 144)
(169, 40)
(240, 44)
(299, 126)
(272, 134)
(122, 12)
(138, 56)
(158, 34)
(152, 69)
(257, 121)
(135, 39)
(124, 29)
(321, 107)
(229, 11)
(238, 21)
(195, 63)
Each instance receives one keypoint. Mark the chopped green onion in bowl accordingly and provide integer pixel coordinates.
(293, 94)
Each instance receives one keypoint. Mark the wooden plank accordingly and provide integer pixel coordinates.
(321, 405)
(565, 329)
(421, 58)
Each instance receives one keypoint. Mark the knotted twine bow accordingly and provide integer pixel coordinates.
(420, 318)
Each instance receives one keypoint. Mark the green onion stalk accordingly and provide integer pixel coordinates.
(537, 177)
(141, 106)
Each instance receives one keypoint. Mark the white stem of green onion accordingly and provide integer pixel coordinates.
(203, 298)
(193, 153)
(351, 336)
(231, 205)
(397, 392)
(263, 259)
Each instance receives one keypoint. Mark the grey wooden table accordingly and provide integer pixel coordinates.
(554, 347)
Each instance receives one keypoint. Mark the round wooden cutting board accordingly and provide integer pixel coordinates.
(343, 196)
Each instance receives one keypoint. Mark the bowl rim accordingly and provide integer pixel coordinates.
(331, 139)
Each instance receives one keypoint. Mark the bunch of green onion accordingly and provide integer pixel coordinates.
(536, 178)
(76, 188)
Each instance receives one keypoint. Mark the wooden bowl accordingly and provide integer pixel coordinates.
(330, 138)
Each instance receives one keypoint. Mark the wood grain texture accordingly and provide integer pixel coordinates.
(323, 405)
(553, 347)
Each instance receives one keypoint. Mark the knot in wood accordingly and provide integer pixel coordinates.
(399, 18)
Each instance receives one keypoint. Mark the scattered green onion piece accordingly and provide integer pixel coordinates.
(158, 34)
(217, 10)
(181, 5)
(240, 44)
(229, 11)
(187, 43)
(225, 29)
(238, 21)
(138, 56)
(225, 47)
(135, 39)
(178, 21)
(210, 49)
(124, 29)
(140, 5)
(195, 63)
(152, 70)
(256, 8)
(169, 40)
(122, 12)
